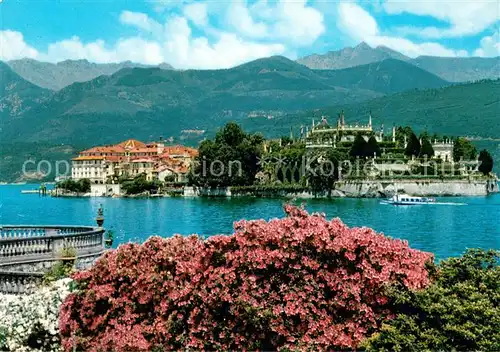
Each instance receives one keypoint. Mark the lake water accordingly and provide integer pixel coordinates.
(446, 230)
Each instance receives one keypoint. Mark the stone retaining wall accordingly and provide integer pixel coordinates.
(416, 188)
(365, 189)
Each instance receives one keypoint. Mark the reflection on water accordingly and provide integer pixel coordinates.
(446, 230)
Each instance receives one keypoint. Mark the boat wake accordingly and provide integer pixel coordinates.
(449, 203)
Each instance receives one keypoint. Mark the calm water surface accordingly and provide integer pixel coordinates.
(446, 230)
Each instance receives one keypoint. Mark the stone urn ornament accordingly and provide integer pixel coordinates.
(100, 216)
(108, 241)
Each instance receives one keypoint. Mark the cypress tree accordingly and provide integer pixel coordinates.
(486, 162)
(426, 148)
(413, 147)
(358, 147)
(372, 147)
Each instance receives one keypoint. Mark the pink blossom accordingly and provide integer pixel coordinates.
(291, 282)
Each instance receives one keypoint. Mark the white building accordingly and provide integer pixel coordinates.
(90, 167)
(443, 150)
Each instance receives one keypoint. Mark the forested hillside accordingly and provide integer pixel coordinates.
(267, 95)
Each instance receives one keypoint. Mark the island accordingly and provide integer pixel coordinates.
(320, 160)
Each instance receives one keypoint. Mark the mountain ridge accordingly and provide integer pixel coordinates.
(17, 95)
(440, 110)
(379, 76)
(361, 54)
(55, 76)
(456, 69)
(198, 97)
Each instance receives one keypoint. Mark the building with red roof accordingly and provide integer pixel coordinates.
(103, 164)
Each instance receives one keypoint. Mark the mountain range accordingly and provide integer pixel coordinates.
(146, 100)
(452, 69)
(62, 74)
(269, 95)
(59, 75)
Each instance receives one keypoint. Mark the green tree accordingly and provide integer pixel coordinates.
(293, 152)
(459, 311)
(426, 148)
(140, 184)
(169, 178)
(84, 185)
(274, 147)
(486, 162)
(231, 135)
(358, 148)
(325, 171)
(80, 186)
(463, 149)
(372, 148)
(401, 133)
(413, 146)
(286, 140)
(231, 159)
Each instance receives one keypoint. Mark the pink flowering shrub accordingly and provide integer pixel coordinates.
(301, 282)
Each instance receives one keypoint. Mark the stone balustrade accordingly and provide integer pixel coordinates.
(18, 243)
(27, 251)
(19, 282)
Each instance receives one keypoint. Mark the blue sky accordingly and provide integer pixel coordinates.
(216, 33)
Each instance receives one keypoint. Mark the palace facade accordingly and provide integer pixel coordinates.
(105, 164)
(324, 135)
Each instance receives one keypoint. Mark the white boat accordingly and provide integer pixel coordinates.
(404, 199)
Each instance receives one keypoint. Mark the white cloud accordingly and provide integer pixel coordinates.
(299, 22)
(163, 5)
(238, 16)
(13, 46)
(490, 46)
(356, 21)
(175, 44)
(245, 32)
(292, 21)
(197, 13)
(259, 30)
(360, 25)
(141, 21)
(229, 51)
(133, 49)
(172, 42)
(184, 51)
(463, 17)
(411, 49)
